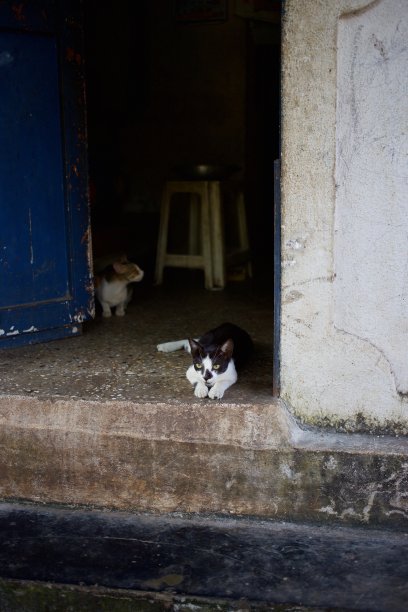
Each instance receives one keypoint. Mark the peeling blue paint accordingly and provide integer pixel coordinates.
(45, 275)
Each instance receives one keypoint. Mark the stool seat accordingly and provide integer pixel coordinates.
(205, 219)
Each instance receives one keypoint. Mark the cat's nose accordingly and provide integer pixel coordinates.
(207, 375)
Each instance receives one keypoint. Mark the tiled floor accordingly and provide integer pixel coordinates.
(116, 358)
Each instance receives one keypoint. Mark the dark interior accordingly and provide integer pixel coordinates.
(162, 92)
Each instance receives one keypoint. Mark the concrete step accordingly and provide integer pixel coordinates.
(238, 459)
(176, 560)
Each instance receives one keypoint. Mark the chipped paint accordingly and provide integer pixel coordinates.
(12, 332)
(86, 235)
(79, 317)
(296, 244)
(30, 329)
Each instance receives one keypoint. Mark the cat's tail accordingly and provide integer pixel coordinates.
(177, 345)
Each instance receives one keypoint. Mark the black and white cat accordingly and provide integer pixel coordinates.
(216, 356)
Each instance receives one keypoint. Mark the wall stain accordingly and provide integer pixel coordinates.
(292, 296)
(168, 580)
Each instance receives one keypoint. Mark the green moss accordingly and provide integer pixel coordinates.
(21, 596)
(359, 423)
(18, 596)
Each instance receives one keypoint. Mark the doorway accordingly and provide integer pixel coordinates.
(159, 93)
(162, 93)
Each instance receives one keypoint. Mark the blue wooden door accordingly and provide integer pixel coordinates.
(45, 278)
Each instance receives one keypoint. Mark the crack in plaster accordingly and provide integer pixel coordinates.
(316, 279)
(402, 392)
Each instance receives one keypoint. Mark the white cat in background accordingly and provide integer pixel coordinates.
(112, 285)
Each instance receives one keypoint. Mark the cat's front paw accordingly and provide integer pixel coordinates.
(216, 392)
(200, 390)
(120, 312)
(107, 313)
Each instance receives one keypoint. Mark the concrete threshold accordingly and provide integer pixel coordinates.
(105, 420)
(198, 457)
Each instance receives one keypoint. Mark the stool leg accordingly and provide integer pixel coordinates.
(194, 224)
(243, 230)
(162, 239)
(217, 236)
(206, 237)
(242, 225)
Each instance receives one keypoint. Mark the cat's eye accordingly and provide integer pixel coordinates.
(216, 366)
(198, 366)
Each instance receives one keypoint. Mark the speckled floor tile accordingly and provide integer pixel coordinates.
(116, 358)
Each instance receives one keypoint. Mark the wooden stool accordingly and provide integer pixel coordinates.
(205, 217)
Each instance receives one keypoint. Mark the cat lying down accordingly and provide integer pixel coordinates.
(112, 285)
(216, 355)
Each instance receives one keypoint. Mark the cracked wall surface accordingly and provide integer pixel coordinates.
(344, 354)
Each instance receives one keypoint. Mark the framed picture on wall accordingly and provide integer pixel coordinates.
(193, 11)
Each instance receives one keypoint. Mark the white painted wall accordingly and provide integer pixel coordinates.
(345, 212)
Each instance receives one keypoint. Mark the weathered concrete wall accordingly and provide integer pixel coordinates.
(345, 213)
(242, 460)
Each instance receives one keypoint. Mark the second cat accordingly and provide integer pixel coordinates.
(112, 286)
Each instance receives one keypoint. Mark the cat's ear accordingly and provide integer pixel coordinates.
(195, 347)
(228, 348)
(119, 267)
